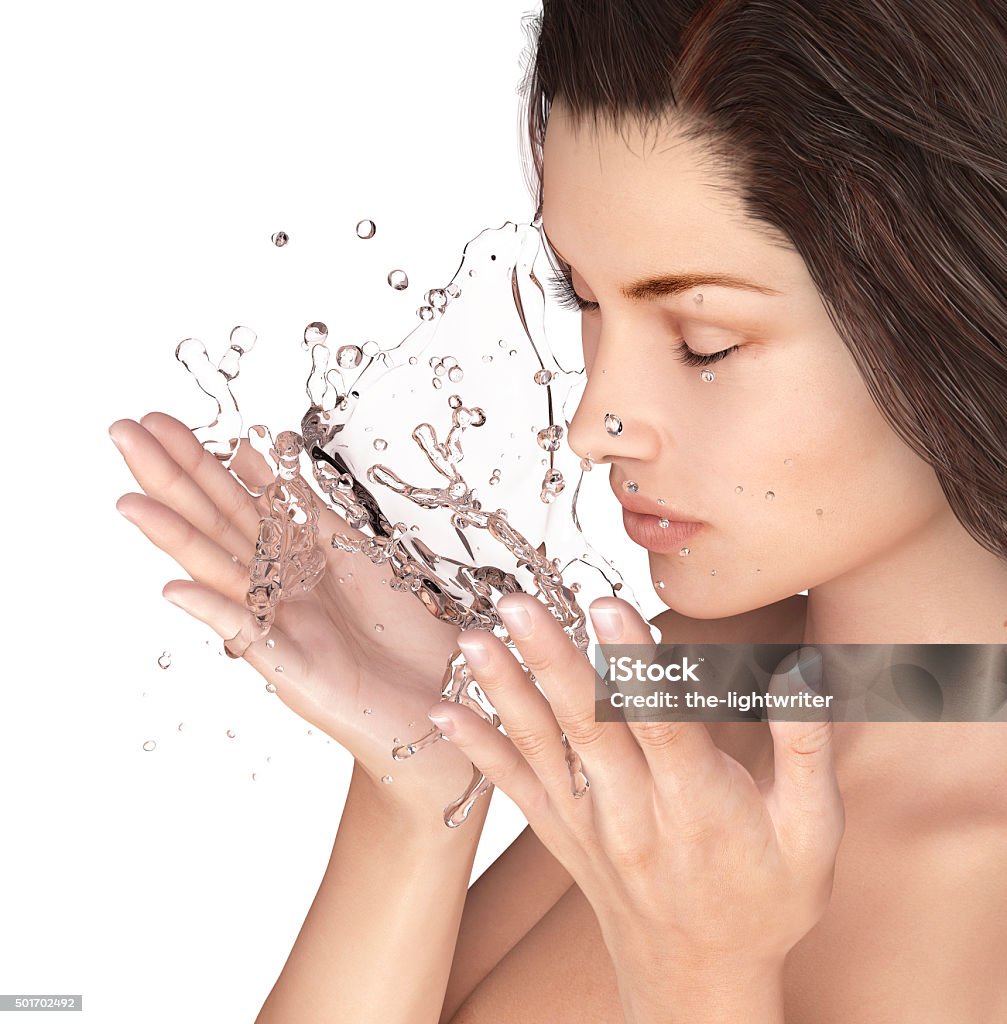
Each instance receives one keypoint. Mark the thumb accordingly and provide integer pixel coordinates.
(805, 801)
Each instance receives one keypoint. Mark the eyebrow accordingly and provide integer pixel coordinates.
(669, 285)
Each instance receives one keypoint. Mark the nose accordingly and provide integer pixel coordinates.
(612, 422)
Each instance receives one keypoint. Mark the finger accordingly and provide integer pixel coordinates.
(525, 713)
(493, 754)
(805, 801)
(203, 559)
(281, 664)
(606, 750)
(190, 480)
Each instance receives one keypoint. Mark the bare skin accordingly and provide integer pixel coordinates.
(914, 930)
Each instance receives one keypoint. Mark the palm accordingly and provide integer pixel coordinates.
(335, 663)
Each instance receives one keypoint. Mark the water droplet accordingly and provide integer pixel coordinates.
(436, 298)
(368, 711)
(230, 734)
(819, 511)
(512, 352)
(660, 584)
(632, 486)
(348, 356)
(543, 377)
(165, 660)
(455, 374)
(587, 463)
(398, 280)
(370, 348)
(683, 552)
(698, 298)
(455, 402)
(487, 358)
(242, 339)
(453, 290)
(270, 687)
(270, 643)
(613, 424)
(234, 558)
(661, 501)
(315, 334)
(149, 745)
(386, 779)
(738, 489)
(280, 239)
(425, 313)
(550, 438)
(707, 375)
(380, 444)
(279, 668)
(253, 776)
(366, 229)
(788, 462)
(180, 724)
(378, 628)
(664, 523)
(412, 360)
(770, 495)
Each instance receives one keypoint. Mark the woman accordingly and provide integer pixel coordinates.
(783, 224)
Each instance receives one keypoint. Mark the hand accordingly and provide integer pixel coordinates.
(335, 664)
(689, 864)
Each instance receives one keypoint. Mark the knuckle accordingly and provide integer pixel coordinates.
(659, 735)
(812, 741)
(582, 729)
(530, 742)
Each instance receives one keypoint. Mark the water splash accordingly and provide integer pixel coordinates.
(458, 558)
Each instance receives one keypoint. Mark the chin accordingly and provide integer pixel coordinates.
(712, 598)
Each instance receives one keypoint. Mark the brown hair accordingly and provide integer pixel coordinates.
(871, 134)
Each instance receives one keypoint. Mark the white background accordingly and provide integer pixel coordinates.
(149, 154)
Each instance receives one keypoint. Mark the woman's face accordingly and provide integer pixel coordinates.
(782, 457)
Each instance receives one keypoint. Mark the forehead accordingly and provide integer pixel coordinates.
(643, 195)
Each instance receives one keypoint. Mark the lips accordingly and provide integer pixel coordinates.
(644, 506)
(642, 519)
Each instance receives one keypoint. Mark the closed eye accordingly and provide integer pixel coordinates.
(563, 291)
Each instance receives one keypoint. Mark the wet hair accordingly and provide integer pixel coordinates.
(872, 136)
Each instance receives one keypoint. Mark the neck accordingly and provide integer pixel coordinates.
(938, 587)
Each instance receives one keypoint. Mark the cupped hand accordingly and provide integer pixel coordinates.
(363, 686)
(687, 860)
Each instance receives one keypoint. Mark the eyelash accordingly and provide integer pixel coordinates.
(563, 292)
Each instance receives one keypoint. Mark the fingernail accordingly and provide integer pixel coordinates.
(124, 514)
(516, 619)
(608, 623)
(807, 672)
(475, 653)
(443, 722)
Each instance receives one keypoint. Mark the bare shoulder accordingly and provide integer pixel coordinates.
(779, 623)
